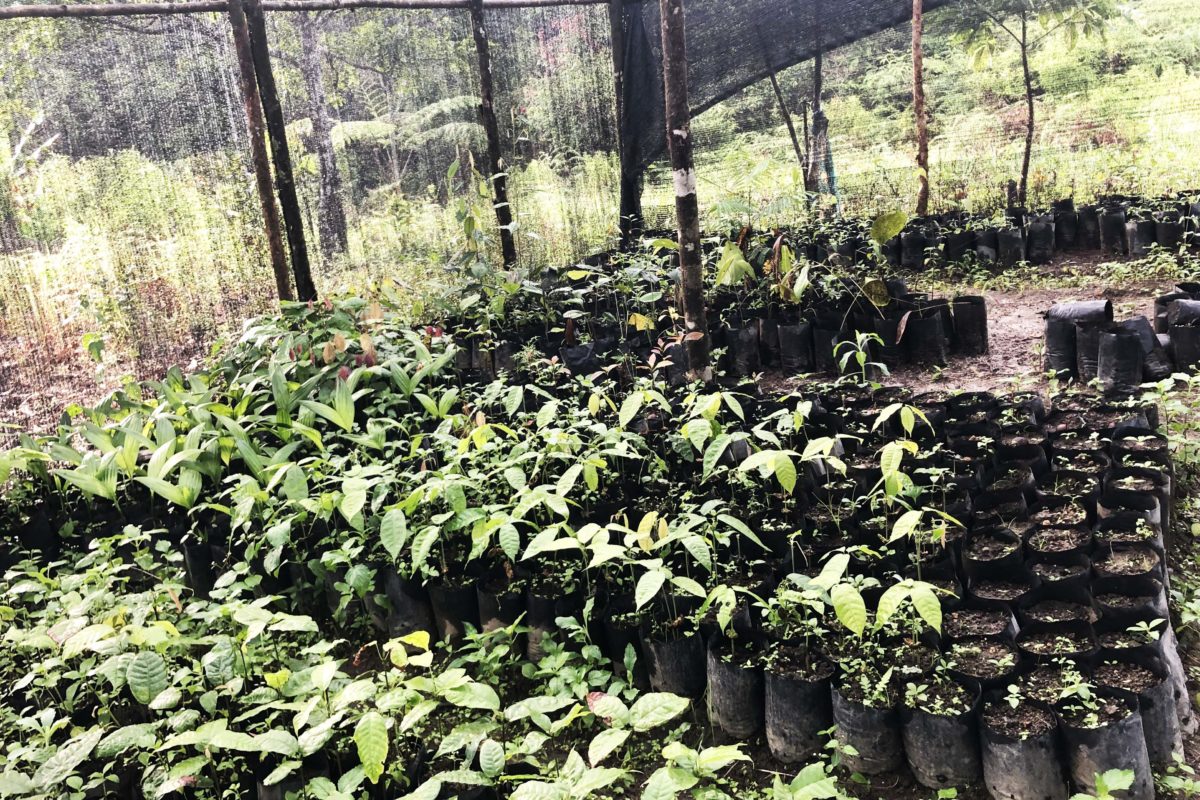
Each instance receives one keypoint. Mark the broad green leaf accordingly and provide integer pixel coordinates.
(889, 603)
(630, 408)
(393, 532)
(656, 708)
(888, 226)
(371, 739)
(648, 586)
(906, 524)
(491, 758)
(59, 766)
(146, 676)
(605, 744)
(849, 607)
(140, 736)
(539, 790)
(785, 471)
(926, 601)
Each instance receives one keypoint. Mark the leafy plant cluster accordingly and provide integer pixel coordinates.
(231, 577)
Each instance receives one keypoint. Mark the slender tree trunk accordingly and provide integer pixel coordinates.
(918, 56)
(331, 211)
(687, 209)
(787, 119)
(812, 177)
(256, 129)
(630, 203)
(1023, 189)
(491, 126)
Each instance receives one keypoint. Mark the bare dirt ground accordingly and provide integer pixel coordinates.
(1016, 329)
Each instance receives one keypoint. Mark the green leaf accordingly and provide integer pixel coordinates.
(146, 676)
(630, 408)
(140, 736)
(474, 695)
(510, 540)
(907, 523)
(888, 226)
(785, 471)
(656, 708)
(491, 758)
(716, 449)
(925, 600)
(393, 532)
(371, 739)
(889, 603)
(605, 743)
(648, 586)
(849, 607)
(58, 767)
(666, 783)
(539, 790)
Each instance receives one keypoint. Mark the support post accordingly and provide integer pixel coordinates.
(690, 296)
(787, 119)
(631, 189)
(918, 57)
(285, 181)
(487, 111)
(812, 175)
(258, 148)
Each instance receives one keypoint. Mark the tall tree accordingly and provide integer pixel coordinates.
(918, 59)
(331, 212)
(1030, 24)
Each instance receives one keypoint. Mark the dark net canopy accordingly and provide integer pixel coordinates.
(732, 45)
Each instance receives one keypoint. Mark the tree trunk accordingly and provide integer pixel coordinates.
(256, 131)
(1023, 189)
(918, 56)
(690, 294)
(787, 120)
(491, 126)
(331, 211)
(812, 176)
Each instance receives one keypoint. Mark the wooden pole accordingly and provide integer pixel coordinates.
(787, 119)
(81, 10)
(918, 58)
(285, 180)
(258, 147)
(631, 189)
(487, 112)
(687, 210)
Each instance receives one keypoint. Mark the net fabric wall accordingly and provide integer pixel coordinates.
(131, 218)
(732, 46)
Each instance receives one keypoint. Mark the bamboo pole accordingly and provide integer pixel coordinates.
(82, 10)
(281, 157)
(258, 147)
(687, 210)
(491, 127)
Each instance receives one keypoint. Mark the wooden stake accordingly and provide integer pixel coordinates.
(285, 181)
(258, 148)
(918, 58)
(487, 111)
(687, 210)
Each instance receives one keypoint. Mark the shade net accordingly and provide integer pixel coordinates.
(131, 235)
(130, 232)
